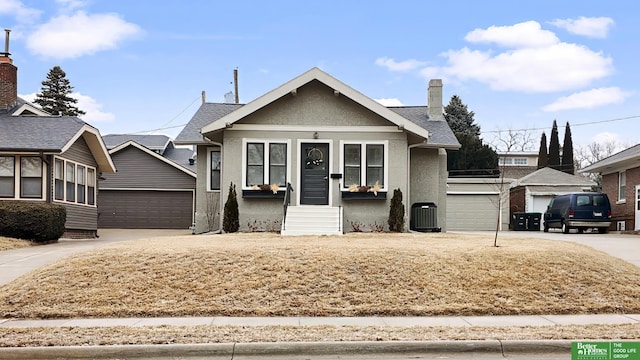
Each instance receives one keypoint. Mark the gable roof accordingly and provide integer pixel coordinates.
(51, 134)
(625, 159)
(552, 177)
(153, 142)
(440, 134)
(152, 154)
(328, 80)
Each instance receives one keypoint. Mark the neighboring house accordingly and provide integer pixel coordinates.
(621, 182)
(53, 159)
(472, 203)
(154, 187)
(532, 193)
(517, 164)
(326, 140)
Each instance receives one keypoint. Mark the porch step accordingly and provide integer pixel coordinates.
(312, 220)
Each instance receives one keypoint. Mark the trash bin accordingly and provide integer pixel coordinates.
(519, 221)
(533, 221)
(424, 217)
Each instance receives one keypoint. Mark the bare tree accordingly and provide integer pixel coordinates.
(586, 155)
(519, 140)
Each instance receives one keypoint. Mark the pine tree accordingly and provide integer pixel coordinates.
(554, 148)
(567, 151)
(231, 220)
(474, 158)
(543, 156)
(54, 95)
(459, 118)
(396, 212)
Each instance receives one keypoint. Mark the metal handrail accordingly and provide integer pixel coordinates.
(287, 200)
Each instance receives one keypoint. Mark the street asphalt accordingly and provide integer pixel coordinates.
(15, 263)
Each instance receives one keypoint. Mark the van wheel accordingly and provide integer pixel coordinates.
(603, 230)
(545, 229)
(565, 228)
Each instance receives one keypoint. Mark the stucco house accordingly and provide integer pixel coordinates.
(54, 159)
(532, 193)
(342, 153)
(154, 187)
(621, 182)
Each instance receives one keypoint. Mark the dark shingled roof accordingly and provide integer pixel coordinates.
(206, 114)
(153, 142)
(181, 157)
(37, 133)
(441, 134)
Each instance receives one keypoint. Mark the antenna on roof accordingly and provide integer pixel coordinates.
(235, 84)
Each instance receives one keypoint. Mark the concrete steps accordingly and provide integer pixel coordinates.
(312, 220)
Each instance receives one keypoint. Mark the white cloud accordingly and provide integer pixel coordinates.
(71, 36)
(536, 64)
(526, 34)
(86, 103)
(393, 65)
(589, 99)
(19, 10)
(594, 27)
(390, 102)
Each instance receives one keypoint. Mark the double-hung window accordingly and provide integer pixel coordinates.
(30, 177)
(7, 176)
(265, 163)
(214, 165)
(22, 175)
(622, 186)
(74, 183)
(365, 163)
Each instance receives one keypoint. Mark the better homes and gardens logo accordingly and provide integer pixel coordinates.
(598, 350)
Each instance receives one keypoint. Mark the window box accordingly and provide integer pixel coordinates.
(262, 194)
(356, 195)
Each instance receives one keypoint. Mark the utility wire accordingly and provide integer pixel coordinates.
(164, 126)
(572, 125)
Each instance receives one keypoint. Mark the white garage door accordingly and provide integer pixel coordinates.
(540, 203)
(472, 212)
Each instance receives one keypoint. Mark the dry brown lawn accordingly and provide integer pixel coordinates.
(353, 275)
(10, 243)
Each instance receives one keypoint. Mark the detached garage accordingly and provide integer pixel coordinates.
(152, 189)
(472, 204)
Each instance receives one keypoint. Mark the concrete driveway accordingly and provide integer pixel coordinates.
(17, 262)
(623, 246)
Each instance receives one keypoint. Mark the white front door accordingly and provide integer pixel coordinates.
(637, 208)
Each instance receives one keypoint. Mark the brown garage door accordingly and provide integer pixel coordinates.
(144, 209)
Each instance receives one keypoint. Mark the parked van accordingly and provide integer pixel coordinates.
(580, 211)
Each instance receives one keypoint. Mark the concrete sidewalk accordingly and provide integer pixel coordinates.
(460, 321)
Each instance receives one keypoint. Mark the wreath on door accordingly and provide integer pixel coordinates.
(315, 157)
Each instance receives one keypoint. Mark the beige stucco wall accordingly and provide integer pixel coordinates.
(428, 175)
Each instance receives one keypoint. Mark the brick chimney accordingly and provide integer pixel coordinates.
(434, 100)
(8, 77)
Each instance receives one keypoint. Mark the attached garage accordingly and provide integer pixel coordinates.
(145, 209)
(472, 212)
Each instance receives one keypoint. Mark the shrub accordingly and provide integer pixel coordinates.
(32, 220)
(396, 212)
(231, 220)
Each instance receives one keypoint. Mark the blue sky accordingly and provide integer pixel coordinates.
(141, 65)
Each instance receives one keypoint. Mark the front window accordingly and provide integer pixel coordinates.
(30, 177)
(91, 186)
(59, 179)
(622, 185)
(7, 176)
(520, 161)
(74, 183)
(70, 175)
(266, 163)
(81, 185)
(365, 164)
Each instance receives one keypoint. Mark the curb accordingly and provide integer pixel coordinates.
(229, 350)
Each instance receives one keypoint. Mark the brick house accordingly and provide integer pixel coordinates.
(621, 182)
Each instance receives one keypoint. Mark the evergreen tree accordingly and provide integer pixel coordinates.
(396, 212)
(543, 156)
(567, 152)
(231, 220)
(459, 118)
(554, 148)
(474, 158)
(54, 95)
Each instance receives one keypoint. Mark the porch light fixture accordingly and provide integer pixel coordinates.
(316, 135)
